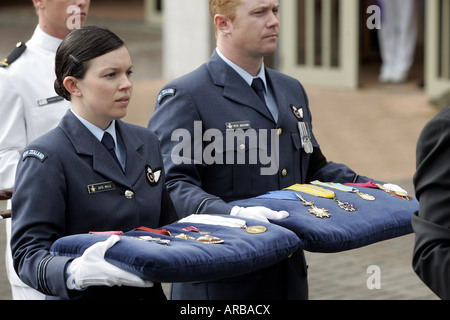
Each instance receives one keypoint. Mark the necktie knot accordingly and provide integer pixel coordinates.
(109, 144)
(108, 141)
(258, 85)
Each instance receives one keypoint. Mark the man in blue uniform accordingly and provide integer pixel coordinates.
(241, 145)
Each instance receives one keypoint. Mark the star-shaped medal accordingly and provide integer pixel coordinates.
(319, 213)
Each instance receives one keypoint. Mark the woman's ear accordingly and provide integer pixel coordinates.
(71, 85)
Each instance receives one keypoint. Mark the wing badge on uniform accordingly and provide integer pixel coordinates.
(153, 176)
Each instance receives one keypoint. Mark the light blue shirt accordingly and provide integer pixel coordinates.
(268, 94)
(98, 133)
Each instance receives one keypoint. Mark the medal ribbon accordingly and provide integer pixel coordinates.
(322, 193)
(312, 190)
(344, 188)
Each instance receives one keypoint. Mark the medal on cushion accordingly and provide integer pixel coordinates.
(322, 193)
(398, 194)
(151, 239)
(319, 213)
(204, 239)
(341, 187)
(305, 137)
(210, 239)
(255, 229)
(184, 236)
(195, 229)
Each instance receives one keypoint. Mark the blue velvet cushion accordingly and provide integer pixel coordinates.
(188, 260)
(385, 218)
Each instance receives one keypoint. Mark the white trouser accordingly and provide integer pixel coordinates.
(20, 291)
(398, 35)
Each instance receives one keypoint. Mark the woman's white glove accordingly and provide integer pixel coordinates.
(91, 269)
(258, 213)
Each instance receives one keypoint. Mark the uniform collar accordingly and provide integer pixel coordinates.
(244, 74)
(44, 40)
(96, 131)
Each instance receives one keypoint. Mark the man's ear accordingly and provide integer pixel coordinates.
(71, 85)
(38, 4)
(222, 23)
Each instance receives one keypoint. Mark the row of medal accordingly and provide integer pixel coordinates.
(205, 237)
(316, 188)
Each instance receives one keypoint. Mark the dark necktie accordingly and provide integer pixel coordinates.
(258, 86)
(109, 144)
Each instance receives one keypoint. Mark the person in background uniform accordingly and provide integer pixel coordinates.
(90, 148)
(29, 106)
(397, 38)
(431, 224)
(221, 97)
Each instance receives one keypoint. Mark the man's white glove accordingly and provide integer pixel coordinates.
(258, 213)
(91, 269)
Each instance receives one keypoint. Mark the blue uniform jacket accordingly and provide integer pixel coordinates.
(192, 117)
(67, 183)
(213, 97)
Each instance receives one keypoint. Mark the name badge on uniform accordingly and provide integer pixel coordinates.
(244, 125)
(101, 187)
(47, 101)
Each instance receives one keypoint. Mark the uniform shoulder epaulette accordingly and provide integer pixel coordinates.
(17, 52)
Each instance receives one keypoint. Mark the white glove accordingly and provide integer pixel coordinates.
(91, 269)
(258, 213)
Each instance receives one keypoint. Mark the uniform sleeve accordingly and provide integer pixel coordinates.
(173, 122)
(38, 219)
(431, 224)
(13, 137)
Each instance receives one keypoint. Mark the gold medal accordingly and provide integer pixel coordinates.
(209, 239)
(255, 229)
(365, 196)
(319, 213)
(184, 236)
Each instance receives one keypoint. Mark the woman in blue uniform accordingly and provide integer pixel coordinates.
(92, 173)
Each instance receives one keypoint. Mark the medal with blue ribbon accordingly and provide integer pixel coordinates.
(322, 193)
(344, 188)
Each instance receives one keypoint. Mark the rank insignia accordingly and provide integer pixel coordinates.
(298, 112)
(153, 176)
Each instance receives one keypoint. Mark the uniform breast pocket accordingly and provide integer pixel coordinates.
(249, 156)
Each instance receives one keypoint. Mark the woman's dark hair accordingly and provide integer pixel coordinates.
(77, 49)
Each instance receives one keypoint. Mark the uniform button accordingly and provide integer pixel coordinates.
(242, 147)
(129, 194)
(284, 173)
(280, 131)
